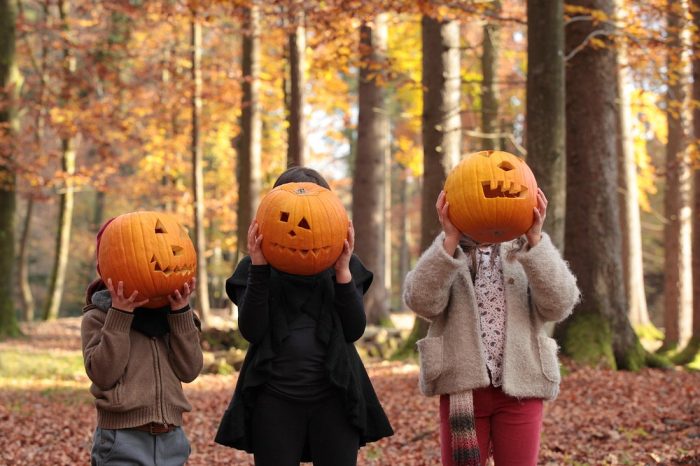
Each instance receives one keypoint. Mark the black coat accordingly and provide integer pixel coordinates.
(345, 368)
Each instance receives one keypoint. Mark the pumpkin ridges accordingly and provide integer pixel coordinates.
(312, 205)
(494, 217)
(129, 242)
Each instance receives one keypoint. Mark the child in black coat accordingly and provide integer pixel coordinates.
(303, 393)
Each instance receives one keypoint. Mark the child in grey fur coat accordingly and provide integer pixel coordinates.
(487, 353)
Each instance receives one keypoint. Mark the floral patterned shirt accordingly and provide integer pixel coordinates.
(490, 300)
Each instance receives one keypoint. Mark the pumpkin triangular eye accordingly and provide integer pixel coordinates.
(304, 224)
(160, 228)
(284, 216)
(506, 166)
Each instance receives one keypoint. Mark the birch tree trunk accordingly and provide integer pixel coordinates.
(693, 347)
(368, 196)
(441, 131)
(633, 265)
(202, 295)
(677, 234)
(67, 196)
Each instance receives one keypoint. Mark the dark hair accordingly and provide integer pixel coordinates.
(301, 174)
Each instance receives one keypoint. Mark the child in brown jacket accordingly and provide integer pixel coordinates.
(137, 359)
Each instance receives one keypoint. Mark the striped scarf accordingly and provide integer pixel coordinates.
(465, 449)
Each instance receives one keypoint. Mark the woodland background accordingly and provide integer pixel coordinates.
(195, 107)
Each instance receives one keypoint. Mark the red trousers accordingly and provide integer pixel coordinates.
(506, 426)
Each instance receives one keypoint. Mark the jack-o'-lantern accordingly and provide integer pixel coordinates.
(491, 195)
(304, 227)
(150, 252)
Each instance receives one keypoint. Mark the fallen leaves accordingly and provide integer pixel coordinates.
(601, 417)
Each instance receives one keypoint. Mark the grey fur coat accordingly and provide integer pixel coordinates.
(440, 290)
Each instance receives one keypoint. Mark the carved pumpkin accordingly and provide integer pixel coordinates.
(492, 195)
(148, 251)
(304, 227)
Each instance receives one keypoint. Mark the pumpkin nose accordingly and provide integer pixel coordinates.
(177, 250)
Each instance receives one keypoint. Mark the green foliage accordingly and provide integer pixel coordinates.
(17, 367)
(588, 340)
(689, 354)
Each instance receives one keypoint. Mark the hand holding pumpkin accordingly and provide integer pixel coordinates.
(452, 234)
(119, 301)
(255, 244)
(342, 265)
(181, 299)
(534, 234)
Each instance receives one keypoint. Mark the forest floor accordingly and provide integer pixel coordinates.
(601, 417)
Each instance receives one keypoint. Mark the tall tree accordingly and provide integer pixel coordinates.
(693, 347)
(545, 125)
(197, 168)
(633, 267)
(599, 331)
(296, 47)
(489, 70)
(249, 140)
(67, 195)
(677, 260)
(368, 196)
(441, 130)
(9, 126)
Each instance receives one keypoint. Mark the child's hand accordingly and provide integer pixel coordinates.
(181, 299)
(342, 265)
(254, 241)
(452, 234)
(534, 234)
(118, 299)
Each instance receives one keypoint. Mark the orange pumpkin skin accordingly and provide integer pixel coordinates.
(150, 252)
(304, 227)
(492, 195)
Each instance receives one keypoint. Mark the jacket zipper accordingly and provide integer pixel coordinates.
(159, 382)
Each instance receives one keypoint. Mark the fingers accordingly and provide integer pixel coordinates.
(441, 201)
(351, 237)
(252, 231)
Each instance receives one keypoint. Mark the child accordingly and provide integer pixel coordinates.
(303, 393)
(486, 353)
(136, 359)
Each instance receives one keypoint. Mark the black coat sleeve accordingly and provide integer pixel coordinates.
(249, 289)
(348, 301)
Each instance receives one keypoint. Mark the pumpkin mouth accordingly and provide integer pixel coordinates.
(503, 188)
(168, 270)
(304, 252)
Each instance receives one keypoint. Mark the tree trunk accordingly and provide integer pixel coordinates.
(489, 90)
(202, 296)
(633, 266)
(545, 121)
(248, 167)
(693, 347)
(599, 331)
(66, 197)
(9, 127)
(28, 304)
(296, 130)
(677, 247)
(369, 178)
(441, 132)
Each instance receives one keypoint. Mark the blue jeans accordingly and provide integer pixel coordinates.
(129, 447)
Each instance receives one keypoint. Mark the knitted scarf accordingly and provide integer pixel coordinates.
(465, 449)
